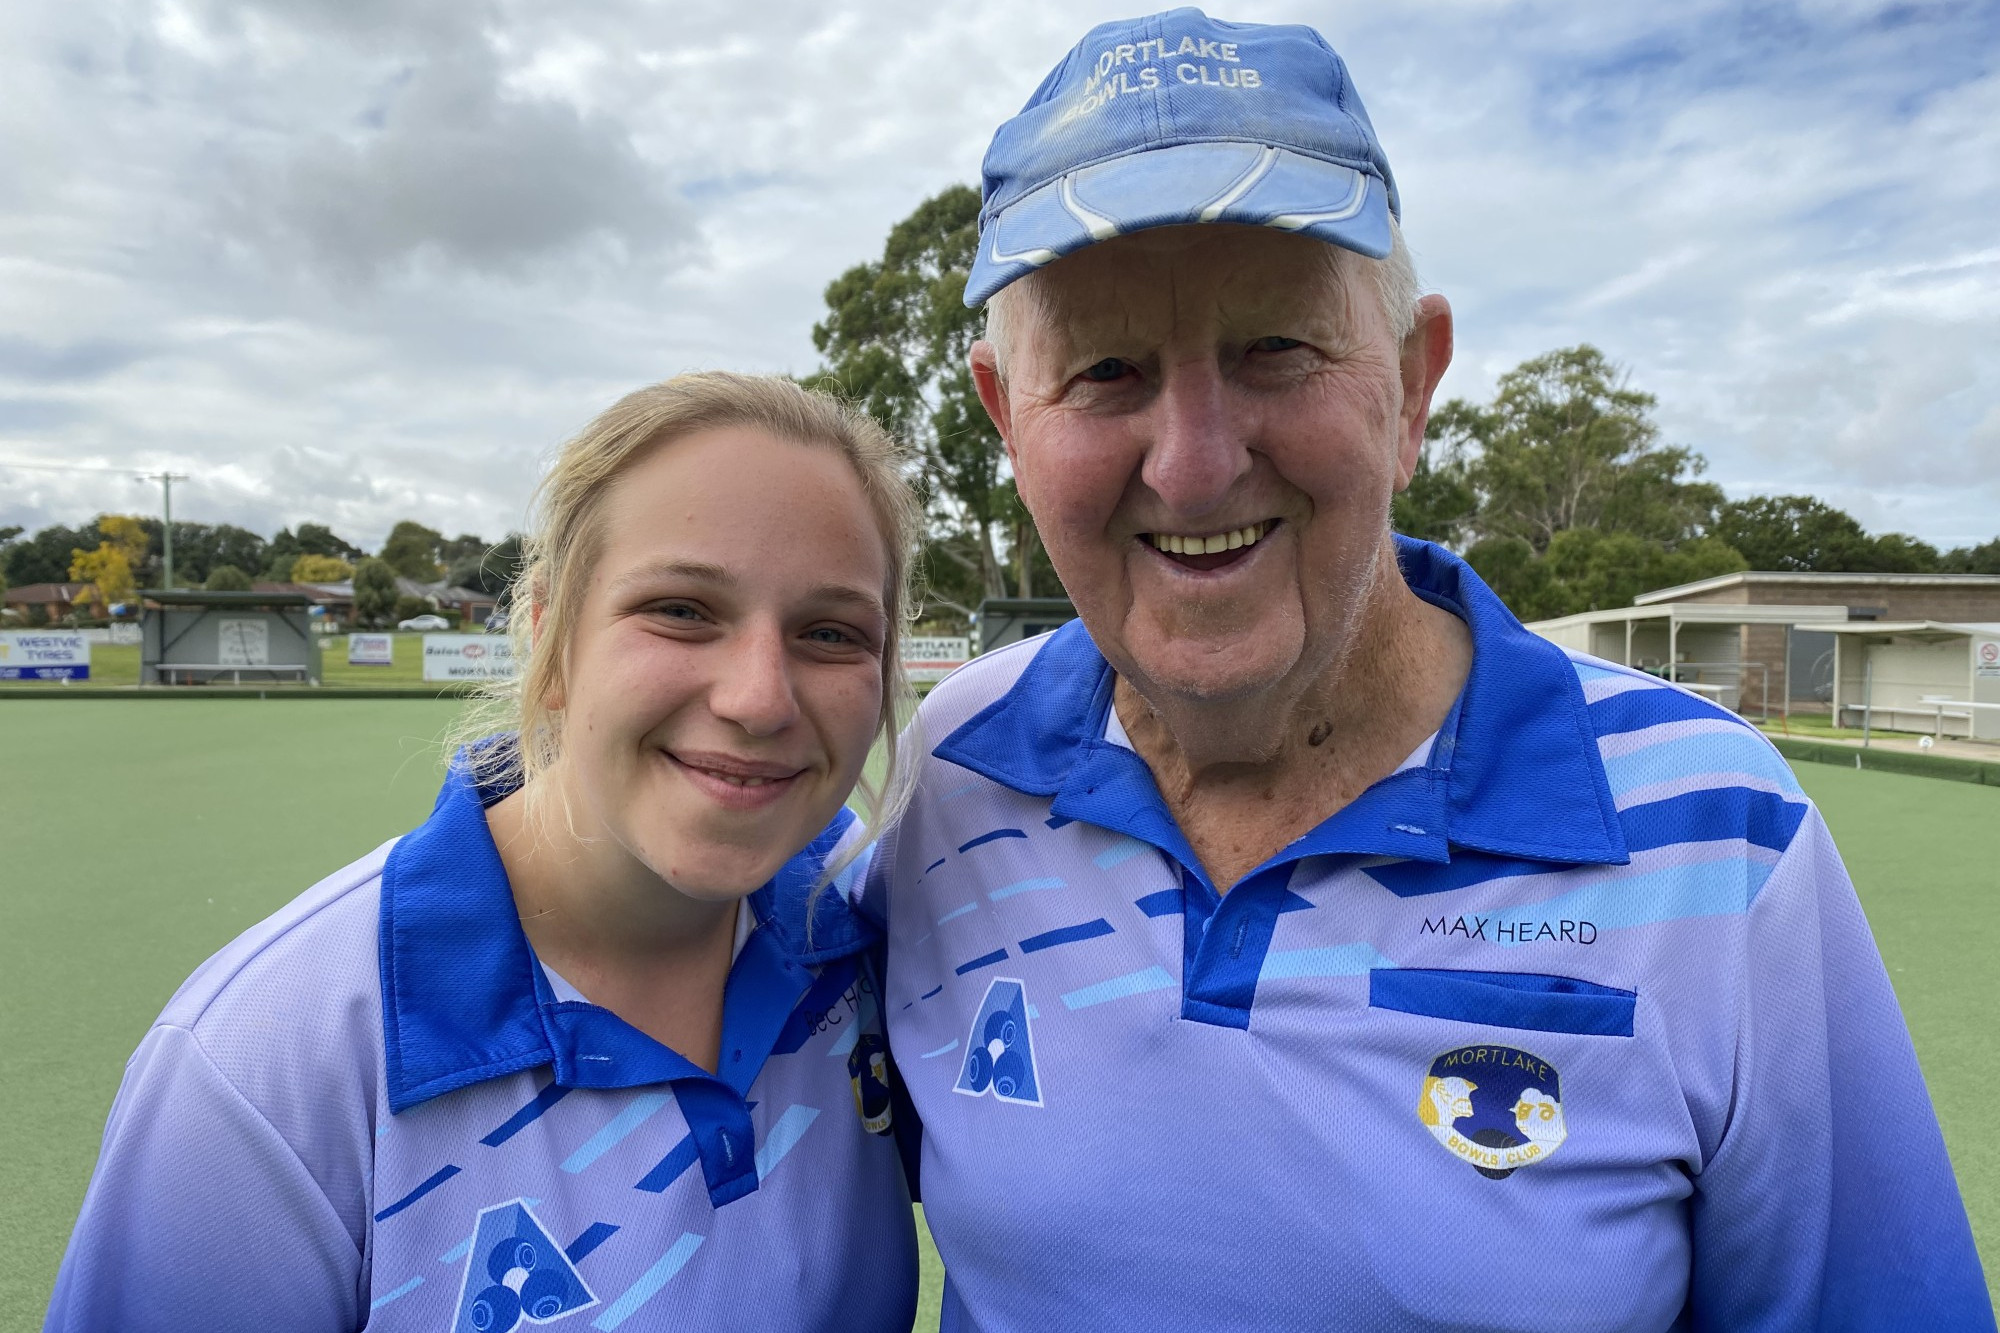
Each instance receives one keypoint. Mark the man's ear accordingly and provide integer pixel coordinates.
(1425, 356)
(985, 363)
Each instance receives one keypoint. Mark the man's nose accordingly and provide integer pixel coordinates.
(753, 686)
(1199, 448)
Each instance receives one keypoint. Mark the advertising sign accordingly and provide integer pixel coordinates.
(929, 661)
(371, 650)
(44, 655)
(1986, 659)
(467, 657)
(243, 643)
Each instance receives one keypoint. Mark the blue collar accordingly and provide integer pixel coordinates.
(1515, 771)
(463, 999)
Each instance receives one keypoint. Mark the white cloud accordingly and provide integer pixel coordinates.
(357, 260)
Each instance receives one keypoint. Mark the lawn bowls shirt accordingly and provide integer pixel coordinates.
(1573, 1024)
(377, 1111)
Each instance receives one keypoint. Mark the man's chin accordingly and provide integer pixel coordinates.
(1210, 672)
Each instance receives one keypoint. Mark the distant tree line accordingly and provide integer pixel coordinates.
(119, 554)
(1558, 491)
(1561, 495)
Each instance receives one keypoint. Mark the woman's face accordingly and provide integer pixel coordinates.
(725, 670)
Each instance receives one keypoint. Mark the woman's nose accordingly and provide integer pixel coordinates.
(753, 685)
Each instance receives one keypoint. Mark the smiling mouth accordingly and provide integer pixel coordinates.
(1206, 551)
(736, 782)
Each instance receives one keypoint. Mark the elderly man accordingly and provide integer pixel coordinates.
(1295, 941)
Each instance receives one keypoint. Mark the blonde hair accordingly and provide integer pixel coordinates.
(566, 534)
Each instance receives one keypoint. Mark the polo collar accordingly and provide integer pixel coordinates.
(1515, 771)
(464, 1000)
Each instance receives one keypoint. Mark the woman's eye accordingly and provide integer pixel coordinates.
(679, 611)
(1275, 344)
(1105, 371)
(828, 635)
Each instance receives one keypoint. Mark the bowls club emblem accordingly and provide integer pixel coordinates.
(1000, 1049)
(1497, 1108)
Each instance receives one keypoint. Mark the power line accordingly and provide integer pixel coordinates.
(135, 473)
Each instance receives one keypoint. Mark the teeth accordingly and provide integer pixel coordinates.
(1174, 544)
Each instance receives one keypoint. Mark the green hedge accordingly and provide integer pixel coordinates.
(1984, 772)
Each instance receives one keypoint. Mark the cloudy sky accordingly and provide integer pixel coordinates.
(361, 260)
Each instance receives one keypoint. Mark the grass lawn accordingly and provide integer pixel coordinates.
(141, 838)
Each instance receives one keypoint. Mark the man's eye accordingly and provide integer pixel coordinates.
(1105, 371)
(1275, 344)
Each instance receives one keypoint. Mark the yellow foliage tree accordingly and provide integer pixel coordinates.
(321, 569)
(108, 568)
(128, 534)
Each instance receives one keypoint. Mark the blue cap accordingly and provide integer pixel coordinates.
(1179, 118)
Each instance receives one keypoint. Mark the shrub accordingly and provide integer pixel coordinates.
(409, 608)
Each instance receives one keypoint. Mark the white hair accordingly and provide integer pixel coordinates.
(1395, 280)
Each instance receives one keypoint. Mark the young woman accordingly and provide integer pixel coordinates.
(597, 1041)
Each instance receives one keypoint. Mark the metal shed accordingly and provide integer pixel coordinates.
(190, 637)
(1005, 620)
(1919, 675)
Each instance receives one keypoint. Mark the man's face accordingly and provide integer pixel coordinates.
(1180, 386)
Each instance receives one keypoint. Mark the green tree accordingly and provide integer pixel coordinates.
(309, 539)
(895, 339)
(489, 569)
(227, 578)
(1568, 443)
(1981, 559)
(45, 557)
(409, 608)
(413, 551)
(1798, 532)
(374, 592)
(1440, 501)
(311, 568)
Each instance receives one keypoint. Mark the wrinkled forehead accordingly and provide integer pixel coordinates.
(1193, 282)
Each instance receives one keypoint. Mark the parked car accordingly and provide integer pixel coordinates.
(424, 623)
(496, 623)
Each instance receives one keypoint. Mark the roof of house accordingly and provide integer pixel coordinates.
(1808, 577)
(42, 594)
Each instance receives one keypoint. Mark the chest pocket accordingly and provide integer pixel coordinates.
(1531, 1001)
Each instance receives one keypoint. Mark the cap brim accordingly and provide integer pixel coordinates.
(1245, 183)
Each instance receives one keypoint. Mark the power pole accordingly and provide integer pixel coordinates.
(167, 480)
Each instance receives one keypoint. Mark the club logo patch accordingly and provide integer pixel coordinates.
(1497, 1108)
(1000, 1050)
(515, 1272)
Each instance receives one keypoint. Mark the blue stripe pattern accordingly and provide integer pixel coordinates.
(388, 1296)
(1634, 710)
(1719, 814)
(1167, 902)
(526, 1116)
(1117, 988)
(662, 1272)
(436, 1179)
(958, 912)
(945, 1049)
(784, 1136)
(670, 1168)
(1118, 853)
(636, 1113)
(593, 1236)
(1049, 939)
(984, 960)
(1338, 960)
(1706, 752)
(1024, 886)
(1723, 887)
(994, 836)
